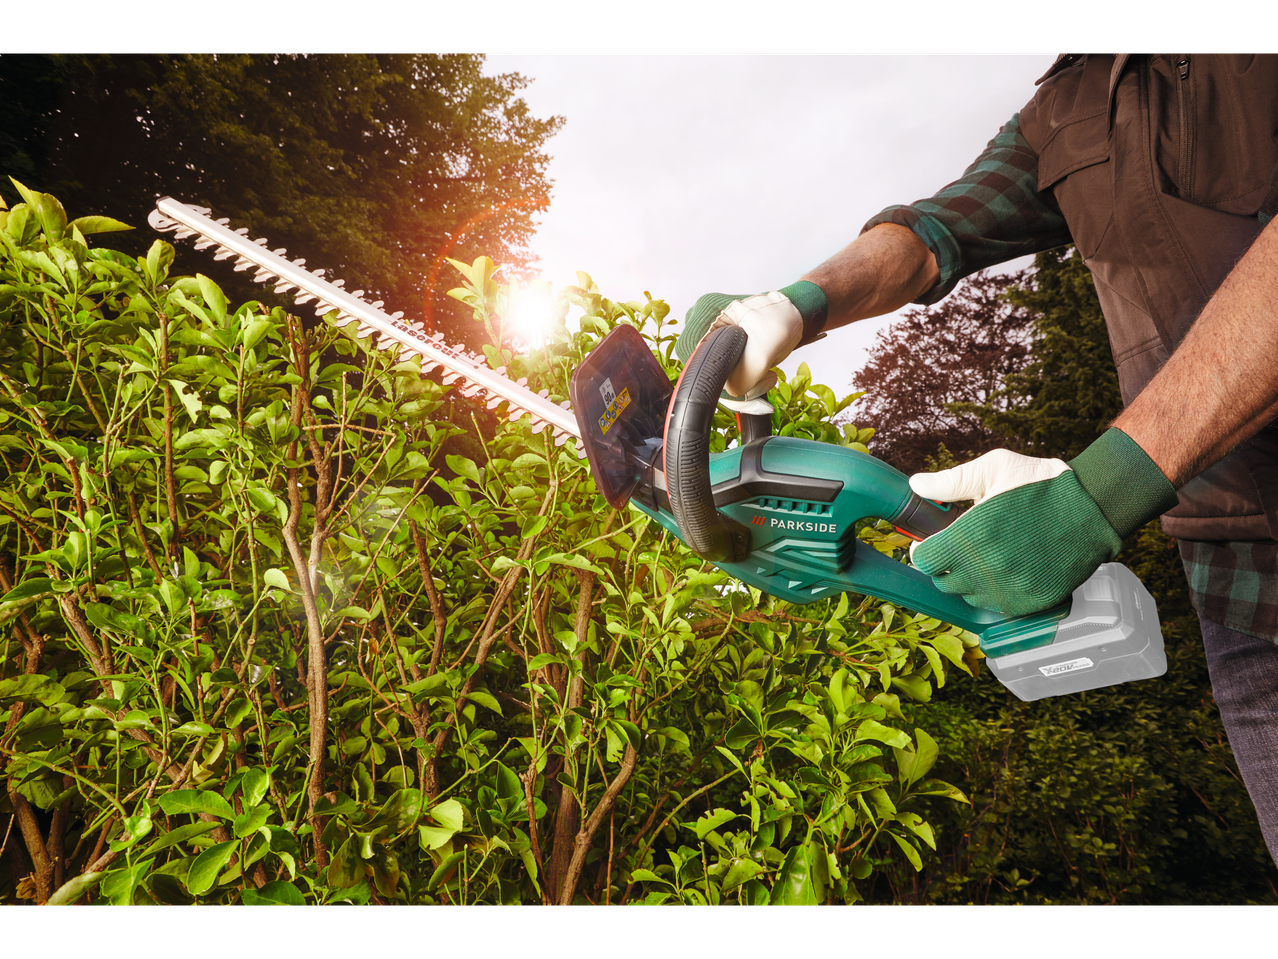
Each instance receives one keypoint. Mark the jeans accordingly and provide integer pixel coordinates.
(1244, 681)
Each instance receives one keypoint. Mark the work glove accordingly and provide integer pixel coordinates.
(1039, 527)
(775, 323)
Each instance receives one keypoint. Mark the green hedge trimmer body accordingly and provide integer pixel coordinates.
(782, 514)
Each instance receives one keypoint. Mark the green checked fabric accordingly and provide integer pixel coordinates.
(1234, 584)
(991, 214)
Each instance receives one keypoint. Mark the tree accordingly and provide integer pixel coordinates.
(375, 167)
(933, 376)
(1065, 397)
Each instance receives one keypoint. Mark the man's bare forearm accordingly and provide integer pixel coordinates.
(880, 271)
(1221, 385)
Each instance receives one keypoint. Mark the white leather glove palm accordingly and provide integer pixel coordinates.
(773, 327)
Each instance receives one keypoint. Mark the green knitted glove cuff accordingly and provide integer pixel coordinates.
(698, 319)
(809, 300)
(1124, 482)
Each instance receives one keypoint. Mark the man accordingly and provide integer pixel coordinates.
(1162, 170)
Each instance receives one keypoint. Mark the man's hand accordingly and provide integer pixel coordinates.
(878, 272)
(775, 323)
(1040, 527)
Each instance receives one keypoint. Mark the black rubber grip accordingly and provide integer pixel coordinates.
(689, 427)
(920, 517)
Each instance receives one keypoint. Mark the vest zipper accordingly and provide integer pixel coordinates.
(1185, 100)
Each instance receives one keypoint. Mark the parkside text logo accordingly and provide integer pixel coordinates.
(797, 525)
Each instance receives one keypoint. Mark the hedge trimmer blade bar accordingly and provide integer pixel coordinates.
(469, 372)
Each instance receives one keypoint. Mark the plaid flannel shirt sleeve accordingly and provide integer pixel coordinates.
(993, 213)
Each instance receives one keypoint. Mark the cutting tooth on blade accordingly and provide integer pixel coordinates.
(330, 295)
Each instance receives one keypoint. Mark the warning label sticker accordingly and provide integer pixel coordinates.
(1067, 667)
(616, 403)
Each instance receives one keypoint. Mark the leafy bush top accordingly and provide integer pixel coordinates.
(286, 621)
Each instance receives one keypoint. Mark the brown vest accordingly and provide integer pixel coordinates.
(1160, 165)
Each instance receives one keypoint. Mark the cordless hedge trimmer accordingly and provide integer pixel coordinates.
(777, 513)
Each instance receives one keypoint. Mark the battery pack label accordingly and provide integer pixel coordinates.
(1067, 667)
(616, 403)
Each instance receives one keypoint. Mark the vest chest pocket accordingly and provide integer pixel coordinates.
(1215, 120)
(1074, 164)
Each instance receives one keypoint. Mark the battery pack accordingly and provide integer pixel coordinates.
(1111, 635)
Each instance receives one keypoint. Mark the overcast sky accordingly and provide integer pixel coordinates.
(686, 175)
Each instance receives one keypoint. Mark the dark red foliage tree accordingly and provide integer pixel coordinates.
(934, 377)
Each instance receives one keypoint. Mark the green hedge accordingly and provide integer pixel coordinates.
(286, 621)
